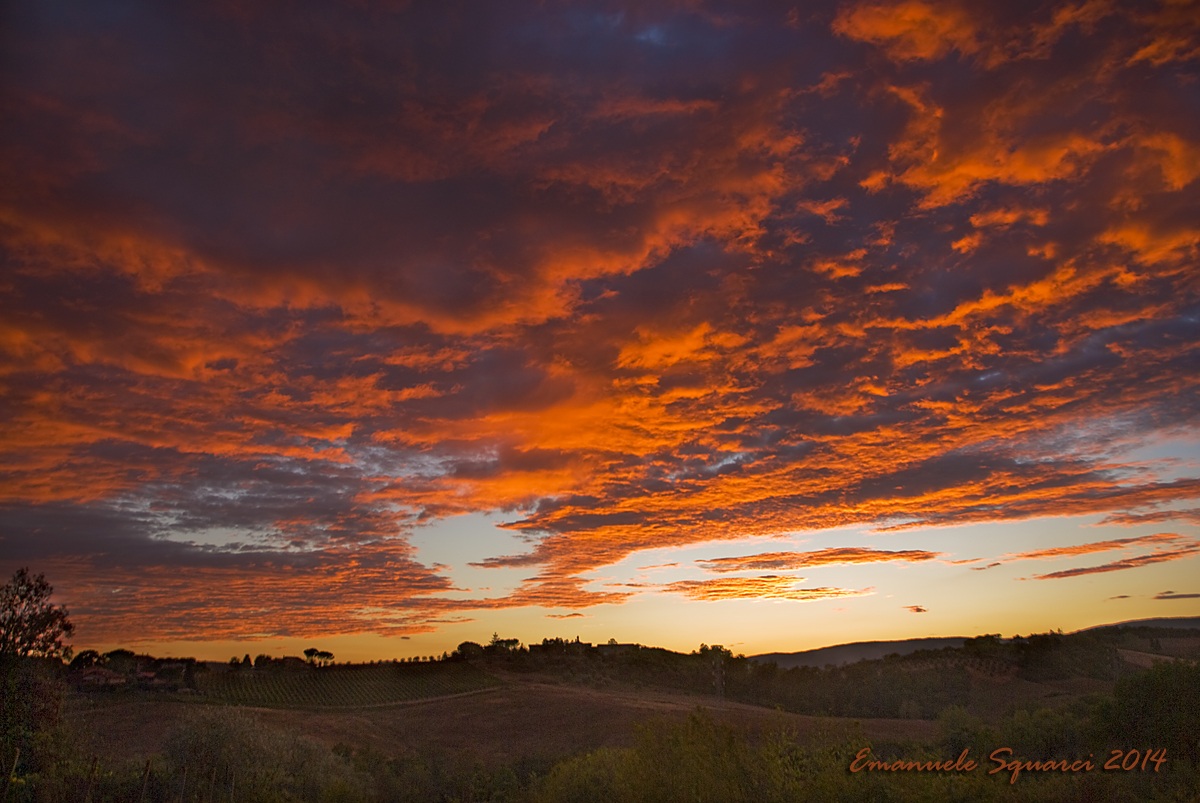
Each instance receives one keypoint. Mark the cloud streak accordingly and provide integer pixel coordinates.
(281, 288)
(765, 586)
(821, 557)
(1185, 549)
(1156, 541)
(1173, 595)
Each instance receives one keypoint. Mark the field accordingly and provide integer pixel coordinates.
(516, 718)
(555, 727)
(354, 686)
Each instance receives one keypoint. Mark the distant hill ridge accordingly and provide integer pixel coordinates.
(842, 654)
(1175, 622)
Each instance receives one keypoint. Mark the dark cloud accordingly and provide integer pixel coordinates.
(281, 283)
(1191, 516)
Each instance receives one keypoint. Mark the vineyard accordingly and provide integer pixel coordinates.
(343, 686)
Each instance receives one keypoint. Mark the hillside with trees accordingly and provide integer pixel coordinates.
(566, 720)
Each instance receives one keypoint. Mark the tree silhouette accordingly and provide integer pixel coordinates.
(121, 660)
(501, 645)
(30, 690)
(469, 649)
(29, 624)
(86, 659)
(311, 654)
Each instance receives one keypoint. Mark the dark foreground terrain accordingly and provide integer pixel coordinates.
(520, 718)
(1110, 714)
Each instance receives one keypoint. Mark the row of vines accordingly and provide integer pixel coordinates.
(344, 686)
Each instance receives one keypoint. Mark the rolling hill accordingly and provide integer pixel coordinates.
(842, 654)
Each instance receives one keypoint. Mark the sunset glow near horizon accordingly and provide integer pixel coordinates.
(382, 327)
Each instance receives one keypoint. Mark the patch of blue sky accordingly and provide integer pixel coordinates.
(457, 542)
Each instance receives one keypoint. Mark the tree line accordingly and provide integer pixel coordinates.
(219, 754)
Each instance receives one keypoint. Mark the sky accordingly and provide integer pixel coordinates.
(384, 326)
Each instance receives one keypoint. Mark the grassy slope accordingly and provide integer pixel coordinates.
(528, 715)
(521, 718)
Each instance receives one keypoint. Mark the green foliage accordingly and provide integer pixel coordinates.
(32, 648)
(1053, 656)
(1046, 734)
(914, 686)
(1159, 708)
(31, 696)
(224, 749)
(215, 754)
(958, 729)
(416, 777)
(702, 760)
(698, 760)
(892, 687)
(599, 775)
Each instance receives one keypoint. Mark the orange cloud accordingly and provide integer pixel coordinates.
(250, 328)
(1152, 245)
(910, 30)
(1164, 547)
(820, 557)
(1159, 556)
(1169, 33)
(763, 587)
(659, 350)
(1156, 540)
